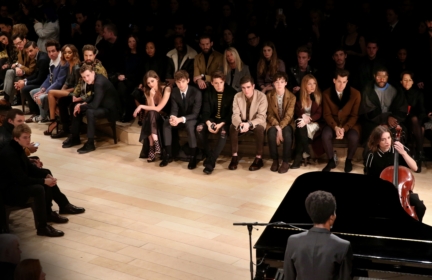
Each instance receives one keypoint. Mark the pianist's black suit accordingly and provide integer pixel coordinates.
(190, 112)
(317, 254)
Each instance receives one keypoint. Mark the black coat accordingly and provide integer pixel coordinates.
(5, 134)
(41, 71)
(17, 172)
(193, 103)
(105, 96)
(415, 101)
(210, 105)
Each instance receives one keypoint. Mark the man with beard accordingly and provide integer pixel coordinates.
(382, 104)
(206, 62)
(66, 104)
(180, 58)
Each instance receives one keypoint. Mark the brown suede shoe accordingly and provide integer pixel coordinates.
(284, 167)
(256, 164)
(233, 164)
(275, 165)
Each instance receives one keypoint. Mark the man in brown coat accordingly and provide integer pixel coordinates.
(280, 114)
(249, 115)
(341, 105)
(206, 62)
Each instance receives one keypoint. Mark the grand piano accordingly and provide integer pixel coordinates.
(383, 236)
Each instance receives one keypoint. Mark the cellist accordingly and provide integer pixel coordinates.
(382, 151)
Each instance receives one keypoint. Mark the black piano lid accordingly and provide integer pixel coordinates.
(368, 214)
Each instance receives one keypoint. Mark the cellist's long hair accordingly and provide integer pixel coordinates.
(375, 137)
(304, 96)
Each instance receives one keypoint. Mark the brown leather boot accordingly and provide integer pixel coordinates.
(284, 167)
(275, 165)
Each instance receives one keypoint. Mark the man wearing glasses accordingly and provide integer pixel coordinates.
(18, 70)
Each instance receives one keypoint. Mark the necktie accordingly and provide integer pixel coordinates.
(340, 96)
(184, 100)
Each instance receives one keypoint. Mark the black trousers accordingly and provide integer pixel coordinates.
(37, 192)
(54, 193)
(287, 134)
(124, 89)
(327, 136)
(301, 141)
(189, 126)
(64, 104)
(91, 115)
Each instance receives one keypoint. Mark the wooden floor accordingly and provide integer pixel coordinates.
(147, 222)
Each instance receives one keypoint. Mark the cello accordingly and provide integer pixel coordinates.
(402, 178)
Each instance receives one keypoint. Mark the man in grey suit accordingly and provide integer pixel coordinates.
(317, 253)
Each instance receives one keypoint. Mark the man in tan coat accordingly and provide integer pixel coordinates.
(207, 62)
(341, 105)
(280, 114)
(249, 115)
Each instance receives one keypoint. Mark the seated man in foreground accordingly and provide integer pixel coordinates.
(317, 253)
(22, 180)
(101, 104)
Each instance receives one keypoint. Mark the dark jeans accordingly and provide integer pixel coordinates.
(203, 137)
(25, 92)
(54, 193)
(190, 129)
(91, 115)
(327, 136)
(287, 134)
(258, 133)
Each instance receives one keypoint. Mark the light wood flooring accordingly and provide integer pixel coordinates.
(147, 222)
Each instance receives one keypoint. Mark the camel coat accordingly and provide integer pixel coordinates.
(342, 113)
(257, 112)
(288, 104)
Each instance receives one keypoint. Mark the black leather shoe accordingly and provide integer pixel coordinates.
(71, 209)
(192, 163)
(166, 159)
(49, 231)
(233, 164)
(87, 148)
(208, 170)
(348, 166)
(330, 165)
(60, 134)
(54, 217)
(256, 164)
(71, 141)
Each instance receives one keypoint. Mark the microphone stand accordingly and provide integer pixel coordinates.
(250, 227)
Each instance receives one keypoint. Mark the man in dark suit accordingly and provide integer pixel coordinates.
(22, 180)
(317, 253)
(39, 74)
(185, 108)
(216, 117)
(101, 103)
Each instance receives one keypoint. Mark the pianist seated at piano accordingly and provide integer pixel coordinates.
(318, 254)
(381, 155)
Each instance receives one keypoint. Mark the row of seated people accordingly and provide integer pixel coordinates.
(83, 92)
(340, 112)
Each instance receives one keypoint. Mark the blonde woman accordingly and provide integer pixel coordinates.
(233, 68)
(308, 113)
